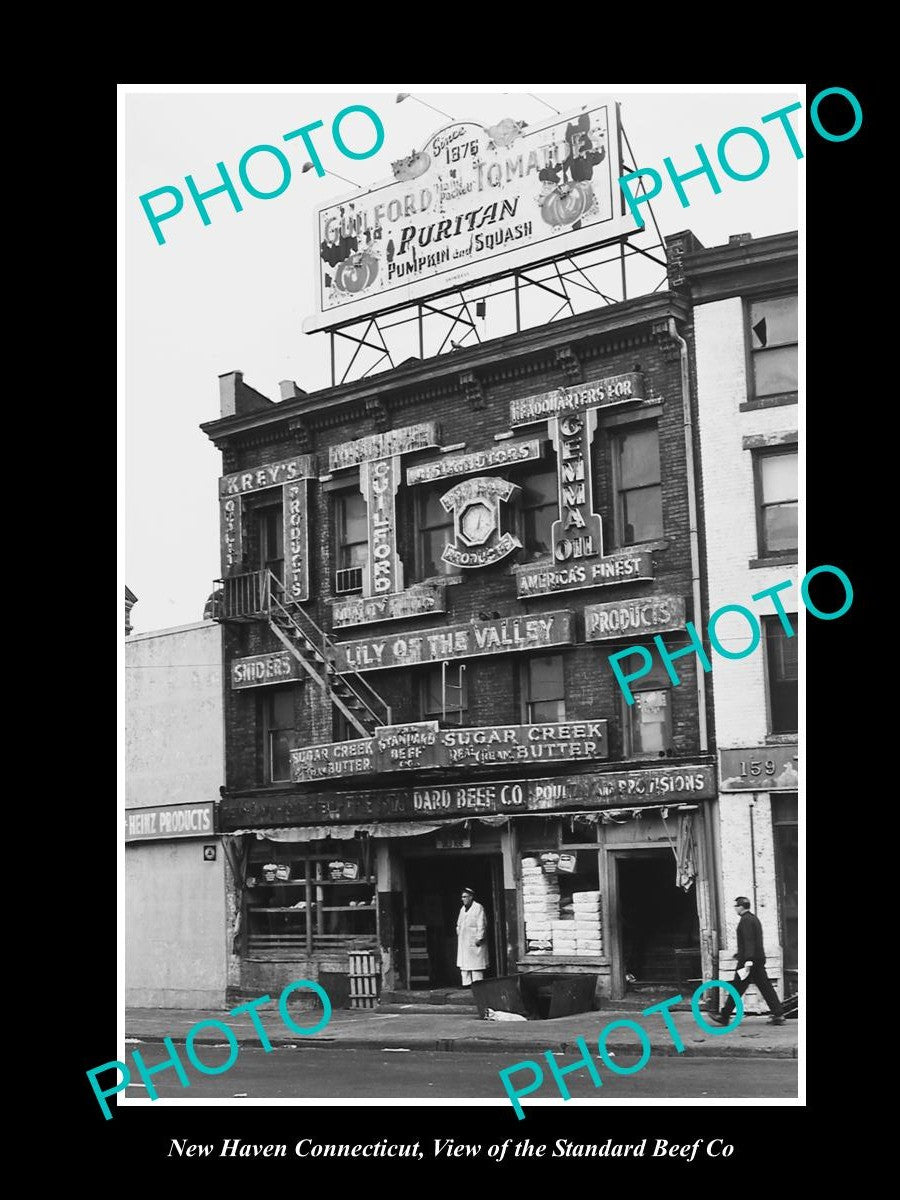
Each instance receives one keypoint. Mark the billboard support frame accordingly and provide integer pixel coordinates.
(459, 298)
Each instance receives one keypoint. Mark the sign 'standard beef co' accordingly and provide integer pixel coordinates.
(670, 784)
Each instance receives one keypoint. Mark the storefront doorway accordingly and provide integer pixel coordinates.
(432, 902)
(784, 828)
(658, 927)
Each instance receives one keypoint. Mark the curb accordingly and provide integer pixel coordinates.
(492, 1045)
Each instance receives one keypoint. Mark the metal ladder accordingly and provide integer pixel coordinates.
(447, 686)
(314, 650)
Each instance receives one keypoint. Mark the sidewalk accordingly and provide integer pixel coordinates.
(370, 1029)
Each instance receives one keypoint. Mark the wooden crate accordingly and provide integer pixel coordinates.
(364, 978)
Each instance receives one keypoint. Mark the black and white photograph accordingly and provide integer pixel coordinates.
(462, 467)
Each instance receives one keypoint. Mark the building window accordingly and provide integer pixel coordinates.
(342, 729)
(781, 671)
(445, 694)
(773, 345)
(544, 689)
(647, 724)
(279, 733)
(638, 492)
(270, 538)
(775, 473)
(435, 530)
(304, 897)
(352, 541)
(540, 508)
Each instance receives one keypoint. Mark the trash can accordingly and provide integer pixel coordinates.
(503, 994)
(555, 995)
(536, 995)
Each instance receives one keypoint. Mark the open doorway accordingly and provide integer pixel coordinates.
(659, 931)
(432, 903)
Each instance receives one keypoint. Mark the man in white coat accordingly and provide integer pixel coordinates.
(471, 933)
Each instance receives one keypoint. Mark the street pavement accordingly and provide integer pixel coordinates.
(450, 1028)
(306, 1071)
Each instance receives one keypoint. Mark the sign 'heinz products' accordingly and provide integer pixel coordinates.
(474, 202)
(169, 821)
(625, 618)
(456, 641)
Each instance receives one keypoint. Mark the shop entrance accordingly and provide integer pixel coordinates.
(433, 885)
(658, 927)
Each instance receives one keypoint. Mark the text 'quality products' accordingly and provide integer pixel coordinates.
(695, 644)
(587, 1062)
(174, 1063)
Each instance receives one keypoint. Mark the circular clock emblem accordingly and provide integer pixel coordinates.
(476, 523)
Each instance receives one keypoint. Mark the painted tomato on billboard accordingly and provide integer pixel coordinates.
(474, 202)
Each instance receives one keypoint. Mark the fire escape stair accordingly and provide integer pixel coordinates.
(314, 651)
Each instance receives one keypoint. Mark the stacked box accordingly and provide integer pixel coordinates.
(540, 896)
(564, 940)
(588, 923)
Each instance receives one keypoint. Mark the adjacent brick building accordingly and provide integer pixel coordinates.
(423, 574)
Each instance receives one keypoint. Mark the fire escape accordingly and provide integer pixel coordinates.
(259, 596)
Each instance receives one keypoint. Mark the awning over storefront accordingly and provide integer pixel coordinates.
(398, 829)
(314, 833)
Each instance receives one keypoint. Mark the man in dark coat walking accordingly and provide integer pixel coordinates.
(751, 954)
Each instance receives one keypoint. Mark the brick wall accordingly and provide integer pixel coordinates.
(492, 681)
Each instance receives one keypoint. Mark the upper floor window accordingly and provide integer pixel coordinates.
(540, 508)
(435, 529)
(544, 689)
(445, 694)
(638, 491)
(775, 474)
(773, 345)
(270, 540)
(781, 673)
(647, 724)
(351, 539)
(279, 733)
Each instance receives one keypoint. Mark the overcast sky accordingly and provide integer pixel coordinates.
(233, 295)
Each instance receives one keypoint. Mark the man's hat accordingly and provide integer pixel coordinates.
(471, 891)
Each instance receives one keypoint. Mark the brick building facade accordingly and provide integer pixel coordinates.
(423, 574)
